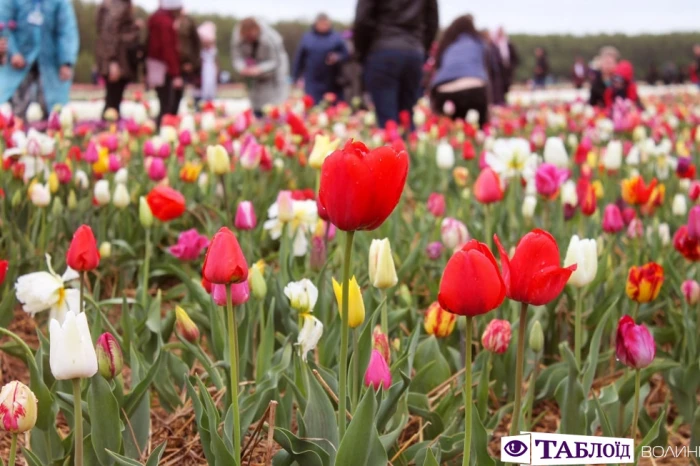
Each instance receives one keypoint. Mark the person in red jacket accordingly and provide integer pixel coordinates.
(623, 85)
(163, 57)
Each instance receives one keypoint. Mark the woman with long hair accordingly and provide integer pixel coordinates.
(461, 76)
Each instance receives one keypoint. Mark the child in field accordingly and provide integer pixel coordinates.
(208, 53)
(623, 85)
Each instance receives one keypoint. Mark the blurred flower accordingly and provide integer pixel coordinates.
(555, 152)
(679, 207)
(569, 195)
(302, 295)
(688, 247)
(612, 161)
(584, 254)
(360, 188)
(245, 216)
(155, 168)
(487, 188)
(496, 337)
(110, 360)
(436, 204)
(40, 194)
(224, 262)
(105, 250)
(548, 179)
(82, 255)
(34, 113)
(382, 272)
(301, 218)
(72, 355)
(461, 176)
(529, 206)
(694, 223)
(251, 153)
(512, 158)
(18, 408)
(536, 342)
(145, 214)
(612, 219)
(380, 342)
(190, 171)
(356, 306)
(3, 270)
(166, 203)
(309, 334)
(644, 282)
(634, 345)
(102, 195)
(438, 321)
(121, 197)
(41, 291)
(378, 373)
(533, 275)
(217, 160)
(635, 229)
(454, 233)
(323, 147)
(445, 155)
(664, 232)
(257, 283)
(636, 192)
(190, 244)
(240, 293)
(434, 250)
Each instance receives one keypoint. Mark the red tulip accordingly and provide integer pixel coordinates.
(694, 223)
(224, 262)
(687, 246)
(360, 188)
(634, 346)
(166, 203)
(3, 270)
(533, 275)
(436, 204)
(487, 188)
(471, 268)
(82, 254)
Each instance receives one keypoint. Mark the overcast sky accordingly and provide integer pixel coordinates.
(531, 16)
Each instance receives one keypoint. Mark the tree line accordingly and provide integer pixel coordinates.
(642, 50)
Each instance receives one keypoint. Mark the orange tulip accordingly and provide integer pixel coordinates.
(635, 191)
(644, 282)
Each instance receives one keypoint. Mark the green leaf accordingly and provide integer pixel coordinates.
(569, 394)
(603, 419)
(430, 459)
(31, 458)
(651, 434)
(302, 451)
(388, 406)
(319, 416)
(132, 399)
(266, 346)
(480, 442)
(123, 460)
(156, 454)
(106, 435)
(361, 444)
(594, 349)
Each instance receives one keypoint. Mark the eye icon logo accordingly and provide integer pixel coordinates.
(515, 448)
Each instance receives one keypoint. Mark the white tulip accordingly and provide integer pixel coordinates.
(187, 124)
(684, 185)
(382, 271)
(302, 295)
(555, 152)
(445, 156)
(65, 118)
(309, 335)
(419, 117)
(139, 114)
(72, 354)
(168, 134)
(121, 196)
(613, 156)
(322, 120)
(40, 194)
(453, 233)
(203, 181)
(34, 112)
(473, 117)
(122, 176)
(81, 179)
(665, 234)
(634, 156)
(208, 122)
(101, 192)
(529, 205)
(679, 207)
(568, 193)
(583, 253)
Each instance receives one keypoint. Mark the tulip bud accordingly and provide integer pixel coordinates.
(529, 206)
(72, 354)
(438, 321)
(145, 214)
(72, 200)
(16, 198)
(318, 253)
(109, 356)
(185, 326)
(496, 337)
(664, 234)
(382, 272)
(555, 152)
(302, 295)
(217, 160)
(257, 283)
(380, 342)
(285, 206)
(436, 204)
(694, 223)
(378, 373)
(634, 345)
(309, 334)
(245, 216)
(583, 253)
(536, 337)
(18, 408)
(121, 196)
(434, 250)
(53, 182)
(356, 306)
(454, 233)
(101, 193)
(57, 207)
(445, 156)
(405, 295)
(644, 282)
(679, 207)
(461, 176)
(105, 250)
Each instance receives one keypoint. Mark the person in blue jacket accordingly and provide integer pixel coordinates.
(42, 49)
(319, 58)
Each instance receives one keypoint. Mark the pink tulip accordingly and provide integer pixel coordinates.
(91, 154)
(189, 245)
(149, 149)
(436, 204)
(378, 373)
(245, 216)
(251, 153)
(487, 188)
(156, 168)
(549, 178)
(164, 151)
(612, 219)
(318, 253)
(185, 137)
(694, 190)
(111, 142)
(113, 163)
(54, 122)
(691, 291)
(628, 214)
(434, 250)
(694, 223)
(635, 229)
(634, 346)
(240, 292)
(496, 337)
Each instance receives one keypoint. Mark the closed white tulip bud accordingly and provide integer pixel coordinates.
(679, 207)
(555, 152)
(101, 193)
(613, 156)
(72, 354)
(445, 156)
(583, 253)
(370, 119)
(40, 194)
(34, 113)
(473, 117)
(568, 193)
(81, 179)
(665, 234)
(382, 271)
(203, 181)
(122, 176)
(529, 205)
(121, 196)
(145, 214)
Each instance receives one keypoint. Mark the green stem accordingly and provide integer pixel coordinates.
(468, 404)
(232, 352)
(531, 392)
(635, 311)
(146, 265)
(344, 336)
(487, 225)
(355, 370)
(635, 407)
(385, 315)
(13, 451)
(520, 356)
(578, 326)
(78, 431)
(82, 291)
(227, 215)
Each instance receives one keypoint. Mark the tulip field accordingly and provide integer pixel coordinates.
(309, 289)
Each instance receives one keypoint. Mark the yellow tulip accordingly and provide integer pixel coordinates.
(382, 272)
(356, 306)
(53, 182)
(217, 160)
(323, 147)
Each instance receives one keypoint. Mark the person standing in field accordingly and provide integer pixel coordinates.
(117, 49)
(509, 57)
(210, 68)
(319, 58)
(163, 68)
(494, 67)
(541, 68)
(602, 78)
(190, 58)
(579, 72)
(42, 50)
(260, 58)
(392, 39)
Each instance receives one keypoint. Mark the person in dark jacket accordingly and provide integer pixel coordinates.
(541, 68)
(116, 49)
(319, 59)
(623, 86)
(601, 78)
(391, 39)
(190, 55)
(494, 67)
(652, 74)
(461, 76)
(694, 68)
(163, 68)
(509, 57)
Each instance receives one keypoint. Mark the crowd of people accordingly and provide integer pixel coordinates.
(388, 60)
